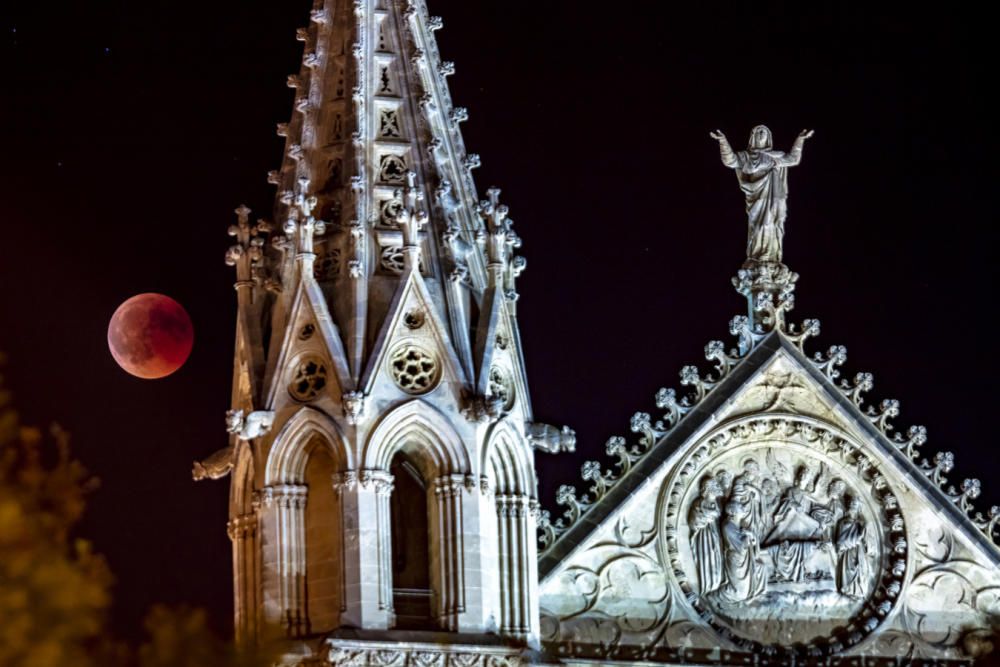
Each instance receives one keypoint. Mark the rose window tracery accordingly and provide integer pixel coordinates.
(414, 369)
(309, 379)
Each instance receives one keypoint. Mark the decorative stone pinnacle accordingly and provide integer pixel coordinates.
(300, 225)
(411, 220)
(498, 232)
(247, 252)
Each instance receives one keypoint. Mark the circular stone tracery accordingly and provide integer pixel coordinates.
(309, 379)
(414, 369)
(784, 536)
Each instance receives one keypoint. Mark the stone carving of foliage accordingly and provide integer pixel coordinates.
(389, 123)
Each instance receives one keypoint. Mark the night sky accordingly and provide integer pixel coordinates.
(130, 131)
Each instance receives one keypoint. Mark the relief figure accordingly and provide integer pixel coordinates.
(705, 541)
(798, 528)
(747, 492)
(746, 577)
(851, 542)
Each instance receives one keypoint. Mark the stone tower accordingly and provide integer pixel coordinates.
(382, 439)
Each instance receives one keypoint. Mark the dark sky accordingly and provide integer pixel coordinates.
(131, 130)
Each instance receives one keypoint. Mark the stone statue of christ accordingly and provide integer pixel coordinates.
(764, 180)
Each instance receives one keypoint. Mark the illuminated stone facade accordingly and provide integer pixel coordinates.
(383, 505)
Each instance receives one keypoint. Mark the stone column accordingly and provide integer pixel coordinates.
(367, 544)
(242, 530)
(283, 566)
(456, 554)
(518, 567)
(447, 551)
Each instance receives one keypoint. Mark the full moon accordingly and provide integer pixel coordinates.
(150, 336)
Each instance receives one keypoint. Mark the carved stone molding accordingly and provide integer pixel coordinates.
(413, 654)
(515, 506)
(345, 481)
(242, 526)
(291, 496)
(449, 486)
(380, 480)
(784, 535)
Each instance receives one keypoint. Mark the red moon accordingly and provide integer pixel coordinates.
(150, 336)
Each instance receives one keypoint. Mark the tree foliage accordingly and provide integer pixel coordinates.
(55, 590)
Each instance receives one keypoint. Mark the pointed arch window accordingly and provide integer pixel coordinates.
(411, 581)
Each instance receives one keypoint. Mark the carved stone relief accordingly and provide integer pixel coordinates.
(782, 532)
(617, 594)
(501, 387)
(951, 606)
(392, 169)
(389, 123)
(327, 265)
(392, 259)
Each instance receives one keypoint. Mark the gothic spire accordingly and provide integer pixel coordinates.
(375, 184)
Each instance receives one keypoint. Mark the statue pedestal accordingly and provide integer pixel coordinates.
(769, 288)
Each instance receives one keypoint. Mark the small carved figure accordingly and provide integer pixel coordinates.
(215, 466)
(747, 493)
(796, 531)
(725, 480)
(705, 542)
(762, 173)
(851, 541)
(746, 577)
(254, 425)
(551, 439)
(830, 512)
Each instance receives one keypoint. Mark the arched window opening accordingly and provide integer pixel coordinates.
(411, 582)
(323, 548)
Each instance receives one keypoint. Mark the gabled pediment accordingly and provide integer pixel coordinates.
(769, 510)
(309, 337)
(413, 326)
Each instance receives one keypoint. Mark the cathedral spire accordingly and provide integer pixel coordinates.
(378, 341)
(374, 135)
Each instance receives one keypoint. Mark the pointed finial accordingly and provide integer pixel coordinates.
(494, 215)
(246, 252)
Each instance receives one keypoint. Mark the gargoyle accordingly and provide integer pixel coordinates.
(550, 439)
(215, 466)
(254, 425)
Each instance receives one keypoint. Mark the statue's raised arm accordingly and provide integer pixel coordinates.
(762, 175)
(728, 157)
